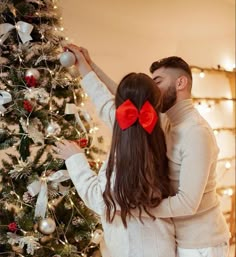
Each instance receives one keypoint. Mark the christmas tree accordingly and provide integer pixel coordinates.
(41, 102)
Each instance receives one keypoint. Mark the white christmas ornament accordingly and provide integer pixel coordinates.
(67, 59)
(53, 129)
(47, 226)
(32, 72)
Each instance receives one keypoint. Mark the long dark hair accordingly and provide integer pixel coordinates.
(137, 158)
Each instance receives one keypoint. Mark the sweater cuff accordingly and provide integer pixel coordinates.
(76, 162)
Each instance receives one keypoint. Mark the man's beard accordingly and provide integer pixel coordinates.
(168, 99)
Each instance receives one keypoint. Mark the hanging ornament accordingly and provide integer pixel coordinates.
(67, 59)
(47, 226)
(53, 129)
(27, 106)
(97, 236)
(32, 72)
(12, 227)
(30, 81)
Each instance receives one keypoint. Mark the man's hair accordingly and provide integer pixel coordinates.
(174, 62)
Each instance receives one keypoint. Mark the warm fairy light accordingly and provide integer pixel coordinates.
(82, 104)
(227, 165)
(55, 7)
(228, 65)
(71, 202)
(202, 74)
(228, 191)
(216, 132)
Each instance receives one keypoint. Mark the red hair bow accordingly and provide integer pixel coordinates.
(127, 114)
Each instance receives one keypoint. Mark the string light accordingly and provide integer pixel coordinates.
(202, 74)
(228, 69)
(218, 130)
(227, 165)
(214, 99)
(228, 191)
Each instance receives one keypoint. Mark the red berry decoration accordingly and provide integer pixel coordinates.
(12, 227)
(31, 81)
(28, 106)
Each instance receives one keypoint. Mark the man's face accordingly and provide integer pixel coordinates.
(165, 80)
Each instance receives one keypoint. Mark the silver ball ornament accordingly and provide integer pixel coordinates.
(47, 226)
(32, 72)
(67, 59)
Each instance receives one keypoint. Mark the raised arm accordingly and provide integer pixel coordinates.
(198, 158)
(110, 84)
(98, 92)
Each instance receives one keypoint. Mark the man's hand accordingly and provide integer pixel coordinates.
(65, 149)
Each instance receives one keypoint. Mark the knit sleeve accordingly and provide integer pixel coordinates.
(88, 184)
(100, 96)
(198, 157)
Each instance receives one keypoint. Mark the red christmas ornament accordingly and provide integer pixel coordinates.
(31, 81)
(28, 106)
(12, 227)
(83, 142)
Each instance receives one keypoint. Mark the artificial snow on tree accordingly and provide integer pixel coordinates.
(41, 102)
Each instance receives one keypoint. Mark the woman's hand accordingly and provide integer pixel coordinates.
(81, 62)
(65, 149)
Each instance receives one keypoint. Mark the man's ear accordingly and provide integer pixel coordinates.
(181, 83)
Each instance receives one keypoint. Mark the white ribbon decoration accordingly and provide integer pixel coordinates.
(40, 187)
(5, 98)
(23, 29)
(73, 109)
